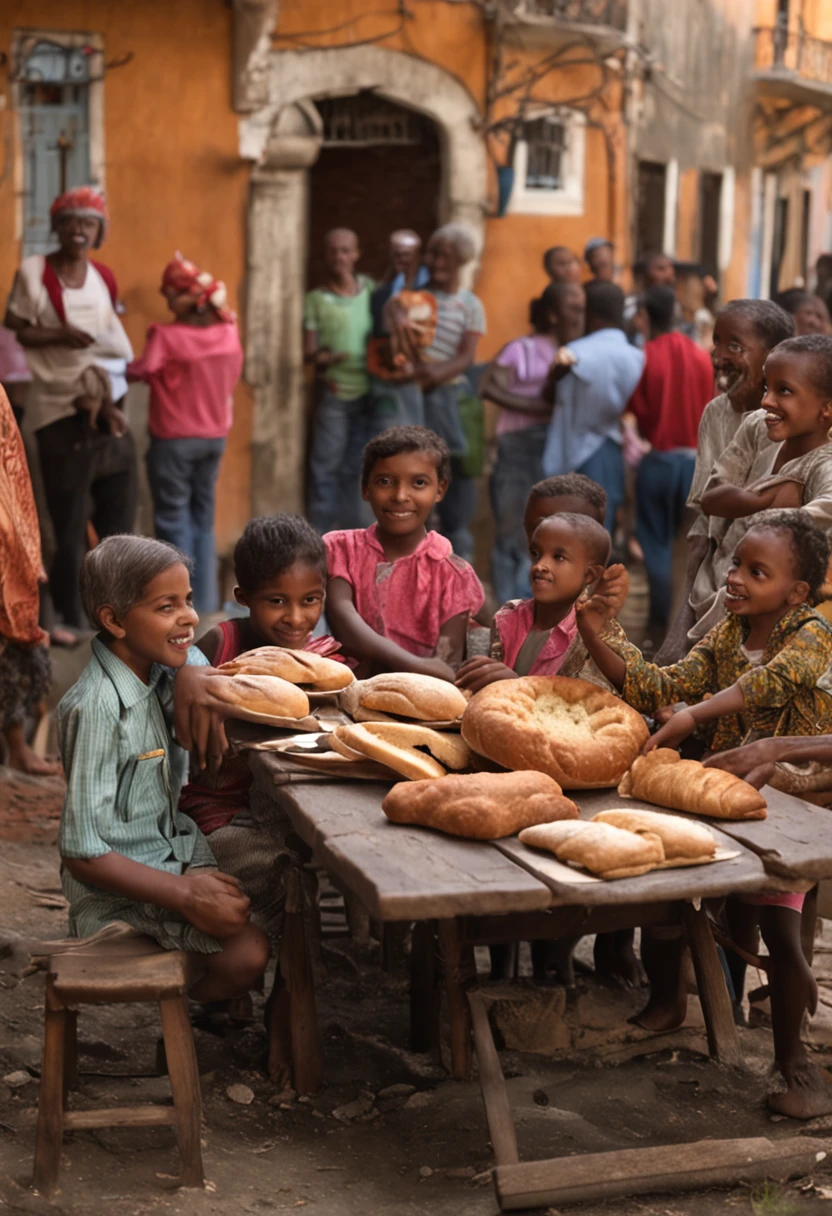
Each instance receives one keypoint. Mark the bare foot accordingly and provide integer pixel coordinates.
(664, 1015)
(25, 761)
(808, 1092)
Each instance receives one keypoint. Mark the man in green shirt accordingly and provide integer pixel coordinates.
(337, 322)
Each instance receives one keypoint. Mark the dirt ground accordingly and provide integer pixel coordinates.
(422, 1148)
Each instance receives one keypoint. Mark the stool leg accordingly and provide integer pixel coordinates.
(51, 1104)
(184, 1084)
(70, 1052)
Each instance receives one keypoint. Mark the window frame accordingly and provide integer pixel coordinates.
(569, 198)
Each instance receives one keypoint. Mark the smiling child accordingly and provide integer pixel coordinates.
(398, 599)
(127, 853)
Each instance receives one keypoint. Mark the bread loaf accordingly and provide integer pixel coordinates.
(684, 841)
(407, 696)
(479, 806)
(664, 778)
(267, 695)
(398, 744)
(580, 735)
(313, 671)
(604, 850)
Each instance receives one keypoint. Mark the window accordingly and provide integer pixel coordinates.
(549, 165)
(650, 207)
(57, 83)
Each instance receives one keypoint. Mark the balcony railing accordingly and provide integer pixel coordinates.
(795, 52)
(611, 13)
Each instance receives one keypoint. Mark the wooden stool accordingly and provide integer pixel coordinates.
(130, 968)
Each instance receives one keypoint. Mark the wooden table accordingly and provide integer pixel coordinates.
(466, 893)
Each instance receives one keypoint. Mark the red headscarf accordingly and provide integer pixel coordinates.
(19, 539)
(184, 278)
(82, 201)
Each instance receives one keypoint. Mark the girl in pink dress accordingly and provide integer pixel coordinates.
(398, 597)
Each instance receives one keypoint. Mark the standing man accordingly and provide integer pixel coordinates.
(407, 272)
(337, 322)
(599, 255)
(584, 435)
(62, 309)
(668, 403)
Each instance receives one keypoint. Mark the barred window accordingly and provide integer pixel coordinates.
(546, 141)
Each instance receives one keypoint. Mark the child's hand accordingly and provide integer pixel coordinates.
(667, 711)
(481, 671)
(611, 591)
(591, 616)
(213, 902)
(681, 725)
(438, 668)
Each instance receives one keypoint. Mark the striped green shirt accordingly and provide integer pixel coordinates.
(124, 770)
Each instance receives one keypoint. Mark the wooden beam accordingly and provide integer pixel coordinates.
(638, 1171)
(121, 1116)
(723, 1040)
(566, 922)
(493, 1086)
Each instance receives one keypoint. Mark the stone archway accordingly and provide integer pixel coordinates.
(283, 138)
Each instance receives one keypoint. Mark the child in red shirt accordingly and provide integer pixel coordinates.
(398, 599)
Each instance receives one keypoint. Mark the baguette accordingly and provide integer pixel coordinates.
(683, 840)
(267, 695)
(479, 806)
(409, 696)
(664, 778)
(398, 744)
(604, 850)
(313, 671)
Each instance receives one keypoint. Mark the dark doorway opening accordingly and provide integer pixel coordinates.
(710, 197)
(778, 243)
(650, 211)
(379, 169)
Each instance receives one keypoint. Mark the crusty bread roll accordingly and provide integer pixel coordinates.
(663, 777)
(479, 806)
(267, 695)
(576, 732)
(395, 744)
(683, 840)
(313, 671)
(604, 850)
(406, 695)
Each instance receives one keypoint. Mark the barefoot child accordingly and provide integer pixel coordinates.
(762, 669)
(127, 853)
(398, 599)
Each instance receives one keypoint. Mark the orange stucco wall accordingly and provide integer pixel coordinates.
(173, 177)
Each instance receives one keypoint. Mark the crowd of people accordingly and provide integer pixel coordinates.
(603, 390)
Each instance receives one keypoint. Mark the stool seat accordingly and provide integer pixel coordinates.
(114, 971)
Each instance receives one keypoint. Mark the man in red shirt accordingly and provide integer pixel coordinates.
(676, 385)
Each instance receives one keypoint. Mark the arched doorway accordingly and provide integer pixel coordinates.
(379, 169)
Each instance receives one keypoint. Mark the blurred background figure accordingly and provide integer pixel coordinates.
(561, 265)
(599, 255)
(810, 313)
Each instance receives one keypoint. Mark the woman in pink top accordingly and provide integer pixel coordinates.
(515, 381)
(398, 599)
(192, 365)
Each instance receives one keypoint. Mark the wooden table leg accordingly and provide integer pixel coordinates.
(460, 973)
(184, 1085)
(425, 993)
(296, 971)
(70, 1052)
(492, 1083)
(723, 1040)
(49, 1135)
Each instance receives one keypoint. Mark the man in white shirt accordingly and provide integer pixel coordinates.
(62, 309)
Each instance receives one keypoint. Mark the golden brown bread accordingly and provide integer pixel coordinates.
(423, 698)
(395, 744)
(479, 806)
(682, 839)
(686, 785)
(579, 734)
(313, 671)
(604, 850)
(265, 695)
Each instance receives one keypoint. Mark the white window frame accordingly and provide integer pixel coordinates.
(569, 199)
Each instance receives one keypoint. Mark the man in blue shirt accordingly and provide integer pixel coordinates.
(590, 396)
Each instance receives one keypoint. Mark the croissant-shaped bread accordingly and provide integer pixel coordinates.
(664, 778)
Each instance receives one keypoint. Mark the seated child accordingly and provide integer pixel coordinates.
(280, 567)
(763, 669)
(398, 599)
(127, 853)
(780, 457)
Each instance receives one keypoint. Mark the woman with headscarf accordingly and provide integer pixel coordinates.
(192, 364)
(62, 309)
(25, 670)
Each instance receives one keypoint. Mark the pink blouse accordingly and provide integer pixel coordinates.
(410, 599)
(514, 623)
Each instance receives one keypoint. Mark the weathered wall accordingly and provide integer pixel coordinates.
(173, 177)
